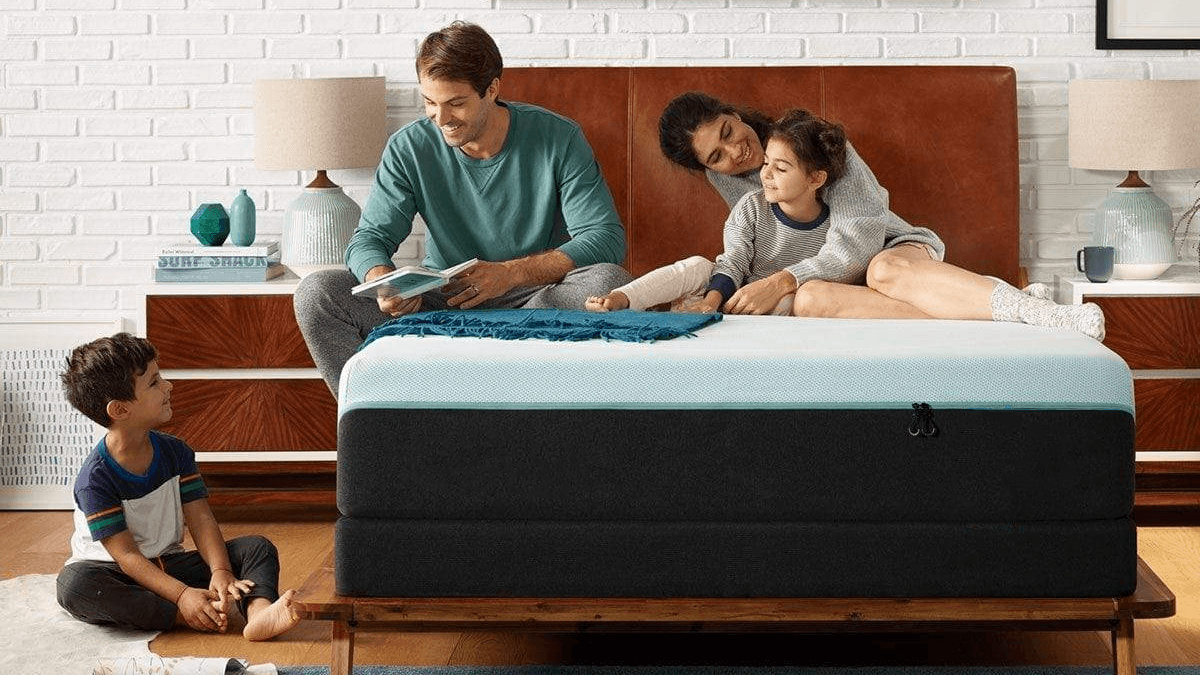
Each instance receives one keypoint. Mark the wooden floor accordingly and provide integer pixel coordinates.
(37, 543)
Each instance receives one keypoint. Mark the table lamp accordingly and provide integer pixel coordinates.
(1135, 125)
(319, 124)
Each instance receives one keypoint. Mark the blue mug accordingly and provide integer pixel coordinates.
(1096, 262)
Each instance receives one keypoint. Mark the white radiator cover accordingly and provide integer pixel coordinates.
(43, 440)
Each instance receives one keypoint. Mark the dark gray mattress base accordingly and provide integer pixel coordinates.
(422, 558)
(730, 464)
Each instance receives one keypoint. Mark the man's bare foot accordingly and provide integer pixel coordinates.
(609, 303)
(268, 620)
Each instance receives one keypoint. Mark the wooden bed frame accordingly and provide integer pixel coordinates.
(943, 141)
(319, 601)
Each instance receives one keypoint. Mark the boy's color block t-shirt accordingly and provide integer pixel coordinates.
(109, 499)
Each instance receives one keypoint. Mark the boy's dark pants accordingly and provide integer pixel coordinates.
(99, 592)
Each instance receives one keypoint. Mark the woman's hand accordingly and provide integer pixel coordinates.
(762, 296)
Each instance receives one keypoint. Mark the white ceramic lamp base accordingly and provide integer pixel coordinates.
(317, 226)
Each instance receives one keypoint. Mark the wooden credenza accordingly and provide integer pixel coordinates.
(247, 396)
(1155, 326)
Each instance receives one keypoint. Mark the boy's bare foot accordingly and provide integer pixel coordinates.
(223, 610)
(265, 622)
(609, 303)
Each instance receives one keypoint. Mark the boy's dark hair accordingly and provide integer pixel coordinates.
(460, 52)
(819, 144)
(689, 110)
(105, 370)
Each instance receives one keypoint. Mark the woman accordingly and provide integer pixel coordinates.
(906, 276)
(778, 229)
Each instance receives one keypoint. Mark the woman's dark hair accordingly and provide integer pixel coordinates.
(686, 112)
(105, 370)
(460, 52)
(819, 144)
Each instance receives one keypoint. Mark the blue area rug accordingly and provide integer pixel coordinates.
(735, 670)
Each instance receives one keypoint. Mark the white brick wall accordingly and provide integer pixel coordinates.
(118, 118)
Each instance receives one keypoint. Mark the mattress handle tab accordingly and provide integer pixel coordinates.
(922, 421)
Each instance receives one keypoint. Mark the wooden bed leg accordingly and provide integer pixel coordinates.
(341, 661)
(1124, 658)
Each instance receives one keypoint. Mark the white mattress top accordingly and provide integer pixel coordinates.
(751, 362)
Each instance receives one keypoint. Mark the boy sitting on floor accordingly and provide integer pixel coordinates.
(135, 492)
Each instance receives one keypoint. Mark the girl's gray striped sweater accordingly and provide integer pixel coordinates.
(860, 226)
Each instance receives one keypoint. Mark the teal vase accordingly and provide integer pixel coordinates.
(210, 224)
(241, 220)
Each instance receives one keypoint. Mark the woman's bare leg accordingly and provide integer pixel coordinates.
(939, 289)
(907, 273)
(843, 301)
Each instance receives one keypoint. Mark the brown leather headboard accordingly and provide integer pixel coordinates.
(941, 139)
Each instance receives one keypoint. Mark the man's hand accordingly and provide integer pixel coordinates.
(762, 296)
(484, 281)
(393, 305)
(398, 306)
(200, 610)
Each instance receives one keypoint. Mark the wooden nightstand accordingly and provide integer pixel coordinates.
(247, 395)
(1155, 326)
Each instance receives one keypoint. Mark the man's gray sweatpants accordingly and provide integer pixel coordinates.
(335, 322)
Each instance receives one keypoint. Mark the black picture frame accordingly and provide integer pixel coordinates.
(1103, 41)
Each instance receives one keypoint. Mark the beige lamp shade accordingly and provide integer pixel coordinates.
(1134, 125)
(320, 123)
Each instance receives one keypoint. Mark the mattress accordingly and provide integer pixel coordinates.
(750, 362)
(746, 465)
(764, 456)
(647, 559)
(1032, 424)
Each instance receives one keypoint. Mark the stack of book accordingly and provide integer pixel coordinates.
(194, 263)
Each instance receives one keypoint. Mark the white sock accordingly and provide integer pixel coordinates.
(1036, 289)
(1039, 290)
(1010, 304)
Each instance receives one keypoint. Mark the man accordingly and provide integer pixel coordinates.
(512, 184)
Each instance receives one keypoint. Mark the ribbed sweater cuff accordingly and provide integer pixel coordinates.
(723, 285)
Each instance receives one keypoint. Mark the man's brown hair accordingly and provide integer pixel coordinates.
(460, 52)
(105, 370)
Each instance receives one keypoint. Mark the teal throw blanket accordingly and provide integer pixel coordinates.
(546, 324)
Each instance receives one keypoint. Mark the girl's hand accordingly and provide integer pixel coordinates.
(697, 305)
(762, 296)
